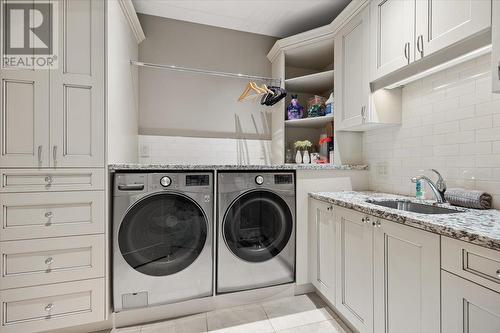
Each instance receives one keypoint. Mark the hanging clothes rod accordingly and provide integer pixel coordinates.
(204, 71)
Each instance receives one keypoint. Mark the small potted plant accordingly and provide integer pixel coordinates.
(302, 155)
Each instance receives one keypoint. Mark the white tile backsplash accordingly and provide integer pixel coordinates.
(194, 150)
(450, 122)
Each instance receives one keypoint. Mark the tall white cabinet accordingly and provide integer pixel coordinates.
(53, 175)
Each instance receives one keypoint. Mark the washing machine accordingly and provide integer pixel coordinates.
(162, 238)
(256, 230)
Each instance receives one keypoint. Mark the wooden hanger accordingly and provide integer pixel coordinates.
(251, 86)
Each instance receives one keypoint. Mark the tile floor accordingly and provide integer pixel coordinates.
(299, 314)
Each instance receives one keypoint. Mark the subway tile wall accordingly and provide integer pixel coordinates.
(192, 150)
(450, 122)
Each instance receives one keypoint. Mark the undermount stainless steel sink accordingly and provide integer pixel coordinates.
(414, 207)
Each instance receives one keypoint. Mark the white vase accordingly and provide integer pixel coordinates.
(305, 157)
(298, 157)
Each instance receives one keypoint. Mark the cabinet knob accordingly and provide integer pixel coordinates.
(49, 307)
(49, 261)
(365, 220)
(498, 273)
(49, 180)
(49, 215)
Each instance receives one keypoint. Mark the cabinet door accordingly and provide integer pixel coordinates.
(440, 23)
(495, 52)
(352, 68)
(24, 113)
(392, 29)
(322, 248)
(406, 279)
(354, 297)
(468, 307)
(77, 87)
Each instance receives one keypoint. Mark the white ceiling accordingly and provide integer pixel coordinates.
(278, 18)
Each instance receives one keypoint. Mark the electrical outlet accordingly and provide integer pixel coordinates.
(382, 169)
(144, 150)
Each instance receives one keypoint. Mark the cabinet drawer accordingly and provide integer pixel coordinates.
(52, 180)
(40, 215)
(475, 263)
(51, 260)
(54, 306)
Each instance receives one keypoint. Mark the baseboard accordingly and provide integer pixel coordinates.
(304, 289)
(169, 311)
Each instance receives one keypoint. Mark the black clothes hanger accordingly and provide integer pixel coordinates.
(270, 99)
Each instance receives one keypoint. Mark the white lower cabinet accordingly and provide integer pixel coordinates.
(468, 307)
(322, 240)
(42, 308)
(406, 279)
(354, 254)
(386, 275)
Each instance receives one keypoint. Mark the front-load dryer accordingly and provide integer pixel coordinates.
(256, 230)
(162, 238)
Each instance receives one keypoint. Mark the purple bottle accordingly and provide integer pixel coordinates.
(295, 110)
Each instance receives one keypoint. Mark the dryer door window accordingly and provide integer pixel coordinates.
(257, 226)
(162, 234)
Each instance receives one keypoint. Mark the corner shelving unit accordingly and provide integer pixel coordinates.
(308, 71)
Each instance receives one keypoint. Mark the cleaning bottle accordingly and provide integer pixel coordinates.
(418, 190)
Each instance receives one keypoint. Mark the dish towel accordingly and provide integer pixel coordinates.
(468, 198)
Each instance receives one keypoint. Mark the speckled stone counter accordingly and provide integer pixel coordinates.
(481, 227)
(124, 167)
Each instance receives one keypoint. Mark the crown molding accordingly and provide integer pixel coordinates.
(129, 11)
(318, 34)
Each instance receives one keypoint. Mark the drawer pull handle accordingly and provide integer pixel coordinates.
(49, 215)
(40, 154)
(49, 307)
(498, 273)
(49, 261)
(131, 187)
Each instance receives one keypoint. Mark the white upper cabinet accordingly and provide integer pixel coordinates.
(441, 23)
(322, 240)
(357, 109)
(495, 52)
(77, 87)
(352, 86)
(406, 279)
(354, 292)
(55, 118)
(392, 35)
(404, 31)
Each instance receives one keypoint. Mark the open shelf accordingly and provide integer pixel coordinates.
(312, 83)
(313, 122)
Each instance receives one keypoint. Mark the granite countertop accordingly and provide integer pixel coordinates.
(117, 167)
(481, 227)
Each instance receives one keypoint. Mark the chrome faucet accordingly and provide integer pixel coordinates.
(438, 187)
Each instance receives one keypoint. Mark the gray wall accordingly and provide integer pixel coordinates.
(186, 104)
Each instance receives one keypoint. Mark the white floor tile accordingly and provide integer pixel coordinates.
(295, 311)
(249, 318)
(330, 326)
(190, 324)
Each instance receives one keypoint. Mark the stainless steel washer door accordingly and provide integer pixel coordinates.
(162, 234)
(257, 226)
